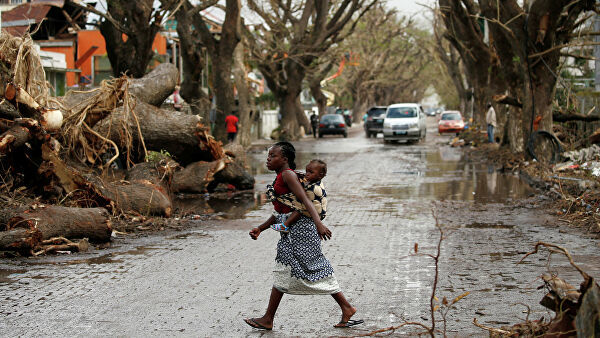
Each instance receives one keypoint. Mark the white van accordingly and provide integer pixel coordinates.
(404, 121)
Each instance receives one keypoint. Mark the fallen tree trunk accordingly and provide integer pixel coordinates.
(561, 117)
(183, 136)
(197, 176)
(142, 197)
(159, 173)
(235, 175)
(54, 221)
(157, 85)
(21, 240)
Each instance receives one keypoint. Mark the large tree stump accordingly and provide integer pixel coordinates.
(183, 136)
(55, 221)
(235, 175)
(196, 177)
(142, 197)
(21, 240)
(158, 172)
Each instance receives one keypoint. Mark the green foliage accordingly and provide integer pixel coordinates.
(267, 100)
(516, 59)
(156, 156)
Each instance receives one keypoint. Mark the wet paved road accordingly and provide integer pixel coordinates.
(201, 281)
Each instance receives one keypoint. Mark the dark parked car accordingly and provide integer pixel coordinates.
(333, 124)
(374, 122)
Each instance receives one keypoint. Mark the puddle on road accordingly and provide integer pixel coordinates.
(445, 174)
(190, 235)
(4, 275)
(429, 174)
(232, 206)
(499, 225)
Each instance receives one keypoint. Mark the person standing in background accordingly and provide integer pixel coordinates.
(314, 123)
(490, 119)
(177, 100)
(231, 122)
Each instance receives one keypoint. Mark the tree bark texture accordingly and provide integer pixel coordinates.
(132, 53)
(183, 136)
(518, 43)
(159, 173)
(139, 196)
(55, 221)
(157, 85)
(245, 103)
(221, 54)
(194, 61)
(196, 177)
(20, 240)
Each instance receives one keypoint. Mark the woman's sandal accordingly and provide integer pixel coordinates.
(256, 325)
(349, 323)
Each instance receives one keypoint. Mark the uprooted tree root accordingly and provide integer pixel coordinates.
(564, 299)
(85, 109)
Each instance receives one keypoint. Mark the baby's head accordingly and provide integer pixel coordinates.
(315, 171)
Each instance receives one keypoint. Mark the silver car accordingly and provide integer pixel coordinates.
(404, 121)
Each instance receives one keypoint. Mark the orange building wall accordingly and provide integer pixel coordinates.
(88, 38)
(70, 58)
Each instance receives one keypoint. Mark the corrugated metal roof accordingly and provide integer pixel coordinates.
(28, 11)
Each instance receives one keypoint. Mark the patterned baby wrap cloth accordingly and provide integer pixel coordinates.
(315, 192)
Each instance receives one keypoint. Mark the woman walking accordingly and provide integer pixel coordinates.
(301, 268)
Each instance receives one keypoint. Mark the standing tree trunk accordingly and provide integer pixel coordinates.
(130, 54)
(221, 51)
(284, 55)
(193, 57)
(245, 101)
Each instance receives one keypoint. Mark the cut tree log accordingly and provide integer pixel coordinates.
(236, 172)
(157, 85)
(55, 221)
(21, 240)
(141, 196)
(183, 136)
(159, 172)
(196, 177)
(235, 175)
(96, 104)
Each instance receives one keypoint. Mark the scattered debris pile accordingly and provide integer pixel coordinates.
(101, 153)
(577, 311)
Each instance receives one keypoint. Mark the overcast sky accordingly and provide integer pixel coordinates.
(409, 7)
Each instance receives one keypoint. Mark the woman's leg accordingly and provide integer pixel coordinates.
(267, 320)
(347, 310)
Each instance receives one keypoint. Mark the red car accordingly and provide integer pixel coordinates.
(451, 121)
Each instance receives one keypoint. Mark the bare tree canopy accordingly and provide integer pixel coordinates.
(521, 57)
(293, 36)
